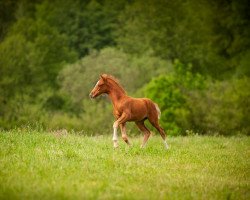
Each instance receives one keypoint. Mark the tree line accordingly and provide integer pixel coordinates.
(191, 57)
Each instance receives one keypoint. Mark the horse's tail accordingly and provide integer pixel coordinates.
(158, 110)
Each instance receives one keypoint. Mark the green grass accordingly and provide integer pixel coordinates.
(46, 166)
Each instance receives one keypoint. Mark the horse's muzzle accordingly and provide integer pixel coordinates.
(91, 95)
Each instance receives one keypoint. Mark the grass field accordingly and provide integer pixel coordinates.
(53, 166)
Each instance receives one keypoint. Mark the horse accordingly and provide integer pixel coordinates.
(128, 109)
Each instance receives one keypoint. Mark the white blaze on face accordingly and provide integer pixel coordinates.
(94, 89)
(96, 84)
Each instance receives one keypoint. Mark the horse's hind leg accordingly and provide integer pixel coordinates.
(123, 131)
(154, 121)
(146, 132)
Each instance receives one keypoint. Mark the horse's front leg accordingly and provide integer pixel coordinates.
(119, 121)
(124, 134)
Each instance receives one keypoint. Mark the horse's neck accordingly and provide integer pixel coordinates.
(116, 95)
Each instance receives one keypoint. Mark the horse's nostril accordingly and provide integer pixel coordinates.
(90, 95)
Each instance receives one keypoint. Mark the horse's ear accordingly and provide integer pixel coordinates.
(103, 77)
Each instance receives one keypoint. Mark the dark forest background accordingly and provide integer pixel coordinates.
(192, 57)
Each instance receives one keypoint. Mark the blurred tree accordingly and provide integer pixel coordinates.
(79, 78)
(31, 58)
(171, 92)
(213, 36)
(190, 102)
(231, 36)
(223, 108)
(7, 10)
(49, 51)
(89, 25)
(135, 41)
(168, 29)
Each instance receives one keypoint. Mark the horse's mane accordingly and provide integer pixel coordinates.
(116, 81)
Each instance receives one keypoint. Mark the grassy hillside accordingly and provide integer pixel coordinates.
(69, 166)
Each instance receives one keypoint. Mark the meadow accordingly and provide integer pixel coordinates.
(43, 165)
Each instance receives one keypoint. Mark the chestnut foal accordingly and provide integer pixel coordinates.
(127, 109)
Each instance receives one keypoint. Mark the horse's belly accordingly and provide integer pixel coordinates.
(138, 111)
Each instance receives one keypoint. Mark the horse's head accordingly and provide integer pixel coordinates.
(100, 87)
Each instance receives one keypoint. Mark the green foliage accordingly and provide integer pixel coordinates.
(30, 60)
(7, 10)
(222, 108)
(213, 37)
(170, 92)
(191, 102)
(52, 52)
(12, 10)
(58, 165)
(87, 24)
(78, 79)
(49, 49)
